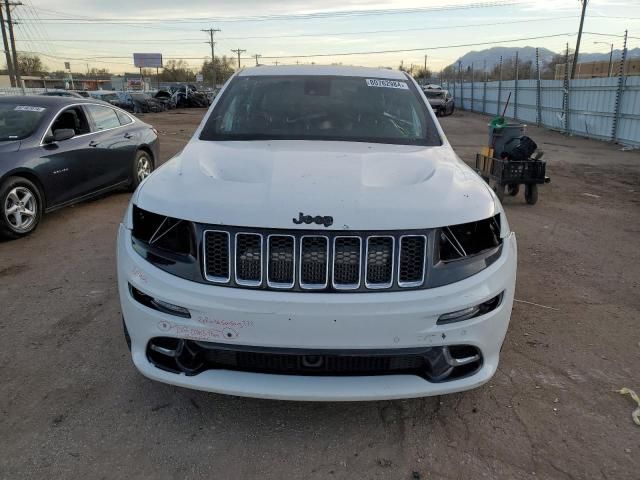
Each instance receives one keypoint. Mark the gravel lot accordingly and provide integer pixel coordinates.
(72, 405)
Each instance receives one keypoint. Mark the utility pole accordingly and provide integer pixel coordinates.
(12, 39)
(239, 52)
(257, 57)
(577, 52)
(211, 31)
(425, 64)
(7, 52)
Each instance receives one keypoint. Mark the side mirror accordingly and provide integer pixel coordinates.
(63, 134)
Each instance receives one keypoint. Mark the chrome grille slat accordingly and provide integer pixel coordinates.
(347, 262)
(379, 261)
(217, 259)
(314, 262)
(281, 261)
(248, 261)
(412, 260)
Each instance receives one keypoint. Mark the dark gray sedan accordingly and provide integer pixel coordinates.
(55, 151)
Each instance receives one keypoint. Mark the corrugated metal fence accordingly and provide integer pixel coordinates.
(588, 107)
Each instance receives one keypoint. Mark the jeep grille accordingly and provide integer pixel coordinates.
(315, 262)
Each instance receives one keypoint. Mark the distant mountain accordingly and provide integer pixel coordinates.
(492, 56)
(595, 57)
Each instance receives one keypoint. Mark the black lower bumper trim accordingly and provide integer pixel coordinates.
(435, 364)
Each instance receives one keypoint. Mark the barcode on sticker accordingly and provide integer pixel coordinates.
(374, 82)
(29, 108)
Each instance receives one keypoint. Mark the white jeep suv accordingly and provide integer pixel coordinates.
(317, 239)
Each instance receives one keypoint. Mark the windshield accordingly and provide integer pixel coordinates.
(301, 107)
(18, 121)
(109, 96)
(434, 94)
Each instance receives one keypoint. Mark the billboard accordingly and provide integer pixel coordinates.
(147, 60)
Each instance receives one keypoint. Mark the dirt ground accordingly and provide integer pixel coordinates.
(73, 406)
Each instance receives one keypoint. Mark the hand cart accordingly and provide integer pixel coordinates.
(511, 174)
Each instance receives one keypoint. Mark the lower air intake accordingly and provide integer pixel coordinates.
(435, 364)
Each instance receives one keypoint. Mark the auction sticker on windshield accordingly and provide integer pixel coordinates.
(374, 82)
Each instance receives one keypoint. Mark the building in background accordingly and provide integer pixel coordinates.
(600, 69)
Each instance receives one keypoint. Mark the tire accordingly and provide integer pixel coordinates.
(139, 170)
(513, 189)
(22, 206)
(531, 194)
(499, 189)
(453, 107)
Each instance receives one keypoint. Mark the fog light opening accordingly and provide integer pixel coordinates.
(159, 305)
(470, 312)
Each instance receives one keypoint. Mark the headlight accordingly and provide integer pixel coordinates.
(161, 234)
(465, 249)
(468, 239)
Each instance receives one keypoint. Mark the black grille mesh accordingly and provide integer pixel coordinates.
(313, 260)
(327, 364)
(248, 257)
(380, 260)
(412, 252)
(281, 255)
(346, 266)
(217, 254)
(299, 261)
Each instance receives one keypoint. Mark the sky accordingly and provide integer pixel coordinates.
(106, 34)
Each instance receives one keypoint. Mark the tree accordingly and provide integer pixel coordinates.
(177, 71)
(30, 65)
(549, 70)
(224, 69)
(422, 75)
(94, 72)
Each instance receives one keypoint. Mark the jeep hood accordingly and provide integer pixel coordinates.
(363, 186)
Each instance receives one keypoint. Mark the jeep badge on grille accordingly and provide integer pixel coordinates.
(308, 219)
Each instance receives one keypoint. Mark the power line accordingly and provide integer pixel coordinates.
(438, 47)
(339, 54)
(610, 35)
(288, 17)
(325, 34)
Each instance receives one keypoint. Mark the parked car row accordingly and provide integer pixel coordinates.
(183, 96)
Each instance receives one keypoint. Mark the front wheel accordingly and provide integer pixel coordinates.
(21, 207)
(142, 168)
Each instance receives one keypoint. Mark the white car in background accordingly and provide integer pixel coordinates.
(317, 239)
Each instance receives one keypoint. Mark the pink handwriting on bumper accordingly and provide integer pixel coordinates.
(205, 320)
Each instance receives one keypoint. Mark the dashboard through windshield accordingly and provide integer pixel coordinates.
(311, 107)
